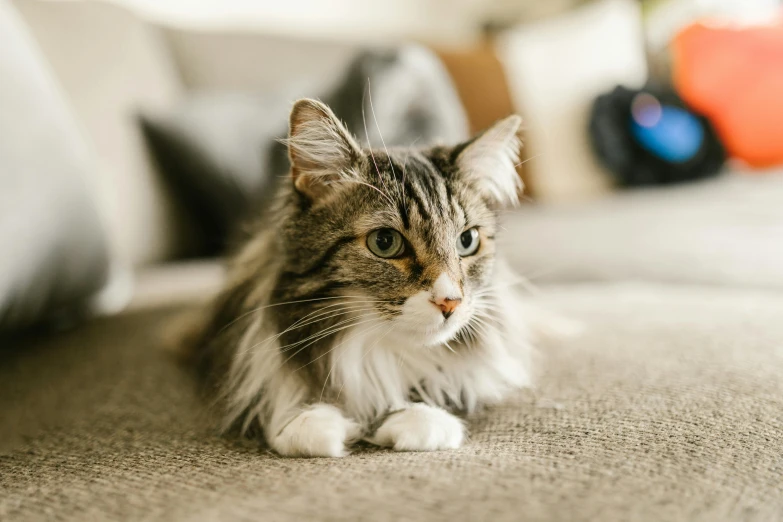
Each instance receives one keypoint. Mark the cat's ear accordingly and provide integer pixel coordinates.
(488, 162)
(320, 148)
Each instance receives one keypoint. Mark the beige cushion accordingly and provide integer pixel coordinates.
(111, 65)
(668, 407)
(556, 68)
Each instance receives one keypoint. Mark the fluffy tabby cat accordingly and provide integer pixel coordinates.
(374, 305)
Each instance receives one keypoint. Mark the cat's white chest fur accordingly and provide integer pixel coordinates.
(376, 371)
(374, 375)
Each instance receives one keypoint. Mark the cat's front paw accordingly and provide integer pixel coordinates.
(321, 431)
(420, 428)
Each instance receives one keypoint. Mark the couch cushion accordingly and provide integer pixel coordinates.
(483, 89)
(724, 231)
(111, 65)
(55, 246)
(666, 408)
(555, 74)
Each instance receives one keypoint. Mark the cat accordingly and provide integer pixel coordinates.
(373, 306)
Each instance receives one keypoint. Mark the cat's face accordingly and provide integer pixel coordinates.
(404, 235)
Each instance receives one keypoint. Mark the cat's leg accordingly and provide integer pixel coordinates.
(321, 430)
(419, 427)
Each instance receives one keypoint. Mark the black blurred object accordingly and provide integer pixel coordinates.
(631, 163)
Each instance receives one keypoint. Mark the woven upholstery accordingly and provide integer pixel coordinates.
(668, 407)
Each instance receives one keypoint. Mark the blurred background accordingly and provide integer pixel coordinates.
(138, 135)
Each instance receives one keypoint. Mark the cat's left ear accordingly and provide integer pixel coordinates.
(488, 162)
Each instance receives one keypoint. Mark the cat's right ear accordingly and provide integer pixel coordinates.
(321, 150)
(488, 162)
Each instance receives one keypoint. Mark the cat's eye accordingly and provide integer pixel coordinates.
(386, 243)
(468, 242)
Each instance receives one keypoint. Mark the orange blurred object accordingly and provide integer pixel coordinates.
(734, 76)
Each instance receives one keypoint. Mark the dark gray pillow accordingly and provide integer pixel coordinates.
(221, 151)
(54, 249)
(400, 97)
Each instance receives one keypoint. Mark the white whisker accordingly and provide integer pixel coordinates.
(258, 309)
(257, 346)
(325, 332)
(372, 109)
(330, 350)
(367, 134)
(528, 159)
(379, 191)
(331, 332)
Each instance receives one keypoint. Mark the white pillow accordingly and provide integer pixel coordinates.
(555, 69)
(55, 249)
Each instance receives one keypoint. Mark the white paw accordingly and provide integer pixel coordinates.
(320, 431)
(420, 428)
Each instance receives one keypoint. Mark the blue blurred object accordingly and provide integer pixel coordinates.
(650, 137)
(671, 133)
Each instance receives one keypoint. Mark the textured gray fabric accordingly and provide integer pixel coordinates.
(55, 251)
(668, 407)
(724, 231)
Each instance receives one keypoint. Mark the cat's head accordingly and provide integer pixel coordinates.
(407, 234)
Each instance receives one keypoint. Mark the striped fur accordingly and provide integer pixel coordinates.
(318, 342)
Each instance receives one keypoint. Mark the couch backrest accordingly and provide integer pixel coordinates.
(243, 60)
(112, 64)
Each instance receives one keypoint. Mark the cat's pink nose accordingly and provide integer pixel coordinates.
(446, 295)
(447, 305)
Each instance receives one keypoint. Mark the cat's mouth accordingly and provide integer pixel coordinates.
(433, 330)
(423, 323)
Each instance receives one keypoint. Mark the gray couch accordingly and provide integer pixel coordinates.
(667, 406)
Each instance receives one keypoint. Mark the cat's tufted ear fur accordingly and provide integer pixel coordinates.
(321, 150)
(488, 162)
